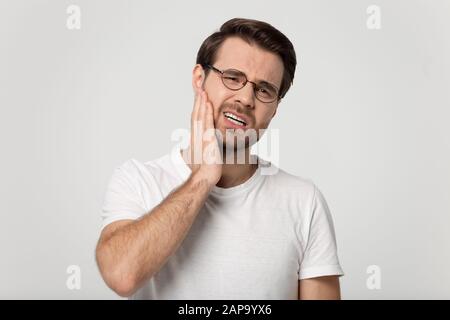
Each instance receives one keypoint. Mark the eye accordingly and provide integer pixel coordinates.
(265, 91)
(232, 78)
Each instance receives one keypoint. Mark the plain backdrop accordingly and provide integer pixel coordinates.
(366, 120)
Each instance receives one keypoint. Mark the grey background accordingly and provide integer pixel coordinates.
(366, 120)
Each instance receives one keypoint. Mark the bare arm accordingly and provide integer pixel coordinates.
(320, 288)
(131, 253)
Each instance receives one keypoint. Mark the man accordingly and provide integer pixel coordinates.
(174, 228)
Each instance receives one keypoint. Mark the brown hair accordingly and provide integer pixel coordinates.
(253, 32)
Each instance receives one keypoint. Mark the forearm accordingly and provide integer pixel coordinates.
(135, 252)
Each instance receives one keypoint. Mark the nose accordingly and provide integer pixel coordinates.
(246, 95)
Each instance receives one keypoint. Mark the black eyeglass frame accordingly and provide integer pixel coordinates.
(255, 85)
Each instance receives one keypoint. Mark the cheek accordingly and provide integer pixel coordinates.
(216, 110)
(263, 119)
(217, 100)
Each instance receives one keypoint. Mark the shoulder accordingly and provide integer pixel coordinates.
(136, 171)
(290, 184)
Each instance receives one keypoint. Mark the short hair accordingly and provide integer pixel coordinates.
(253, 32)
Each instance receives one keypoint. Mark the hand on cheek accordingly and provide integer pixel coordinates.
(204, 144)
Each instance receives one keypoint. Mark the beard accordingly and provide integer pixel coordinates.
(237, 139)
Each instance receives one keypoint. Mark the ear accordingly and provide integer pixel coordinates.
(198, 78)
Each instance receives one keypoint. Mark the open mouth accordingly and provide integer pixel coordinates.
(235, 119)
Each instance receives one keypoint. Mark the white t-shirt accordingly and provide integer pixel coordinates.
(251, 241)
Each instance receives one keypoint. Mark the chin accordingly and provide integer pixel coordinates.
(238, 143)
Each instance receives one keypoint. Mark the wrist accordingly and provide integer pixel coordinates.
(199, 180)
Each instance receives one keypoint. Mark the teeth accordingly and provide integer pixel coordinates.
(233, 117)
(236, 122)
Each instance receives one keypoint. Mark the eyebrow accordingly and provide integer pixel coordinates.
(258, 81)
(267, 83)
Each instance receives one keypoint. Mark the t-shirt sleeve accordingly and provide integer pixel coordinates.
(320, 255)
(121, 199)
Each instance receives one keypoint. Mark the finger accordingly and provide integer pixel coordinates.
(202, 110)
(197, 130)
(209, 119)
(195, 108)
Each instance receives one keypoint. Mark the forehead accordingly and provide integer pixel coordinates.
(257, 63)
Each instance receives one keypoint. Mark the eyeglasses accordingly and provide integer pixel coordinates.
(235, 80)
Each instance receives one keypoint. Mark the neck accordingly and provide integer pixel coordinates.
(236, 174)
